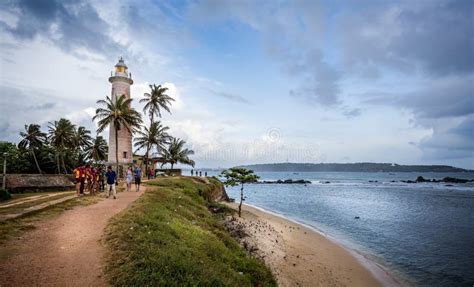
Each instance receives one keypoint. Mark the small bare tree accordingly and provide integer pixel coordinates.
(239, 176)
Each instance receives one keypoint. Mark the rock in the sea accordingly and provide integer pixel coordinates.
(286, 181)
(422, 179)
(455, 180)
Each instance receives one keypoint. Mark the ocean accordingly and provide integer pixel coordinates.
(420, 232)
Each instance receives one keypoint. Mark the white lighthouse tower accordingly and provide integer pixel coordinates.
(121, 81)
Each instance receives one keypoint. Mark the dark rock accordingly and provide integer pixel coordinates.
(286, 181)
(422, 179)
(455, 180)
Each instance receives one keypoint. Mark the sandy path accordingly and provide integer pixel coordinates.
(64, 251)
(299, 256)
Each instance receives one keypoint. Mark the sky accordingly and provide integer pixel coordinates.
(256, 81)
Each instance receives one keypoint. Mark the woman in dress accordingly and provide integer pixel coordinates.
(129, 178)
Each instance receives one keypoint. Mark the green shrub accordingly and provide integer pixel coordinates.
(4, 195)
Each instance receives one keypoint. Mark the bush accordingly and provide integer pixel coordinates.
(4, 195)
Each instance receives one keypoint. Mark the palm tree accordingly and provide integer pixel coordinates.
(176, 153)
(82, 138)
(156, 100)
(97, 151)
(32, 138)
(156, 135)
(61, 137)
(119, 113)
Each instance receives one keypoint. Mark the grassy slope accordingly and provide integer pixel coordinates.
(169, 238)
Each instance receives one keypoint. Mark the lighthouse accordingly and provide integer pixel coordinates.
(121, 81)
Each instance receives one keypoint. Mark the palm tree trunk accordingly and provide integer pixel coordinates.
(116, 150)
(146, 159)
(57, 163)
(36, 162)
(63, 164)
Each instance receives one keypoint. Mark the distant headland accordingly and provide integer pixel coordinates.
(352, 167)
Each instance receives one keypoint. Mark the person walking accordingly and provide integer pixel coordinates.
(129, 178)
(77, 175)
(111, 181)
(192, 172)
(138, 177)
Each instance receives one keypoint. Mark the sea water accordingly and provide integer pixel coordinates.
(423, 232)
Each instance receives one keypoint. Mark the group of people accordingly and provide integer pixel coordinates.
(92, 179)
(198, 173)
(89, 179)
(133, 174)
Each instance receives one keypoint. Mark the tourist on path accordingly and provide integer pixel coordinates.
(138, 177)
(111, 181)
(101, 179)
(192, 172)
(129, 178)
(77, 175)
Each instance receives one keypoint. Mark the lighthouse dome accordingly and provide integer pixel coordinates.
(121, 68)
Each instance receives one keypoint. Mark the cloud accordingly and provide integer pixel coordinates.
(434, 37)
(229, 96)
(454, 142)
(292, 35)
(352, 113)
(69, 24)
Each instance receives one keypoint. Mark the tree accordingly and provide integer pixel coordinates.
(120, 114)
(239, 176)
(176, 153)
(156, 135)
(97, 151)
(156, 100)
(61, 137)
(82, 138)
(32, 139)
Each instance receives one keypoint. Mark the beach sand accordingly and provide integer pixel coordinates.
(300, 256)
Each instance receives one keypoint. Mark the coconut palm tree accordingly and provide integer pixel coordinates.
(156, 135)
(97, 151)
(32, 139)
(176, 153)
(156, 100)
(120, 114)
(82, 138)
(61, 137)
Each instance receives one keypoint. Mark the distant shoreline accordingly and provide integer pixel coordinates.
(351, 167)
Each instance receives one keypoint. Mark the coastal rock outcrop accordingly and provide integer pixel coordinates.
(421, 179)
(286, 181)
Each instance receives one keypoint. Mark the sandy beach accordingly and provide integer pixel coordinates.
(300, 256)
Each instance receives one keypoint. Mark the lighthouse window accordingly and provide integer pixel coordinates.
(124, 154)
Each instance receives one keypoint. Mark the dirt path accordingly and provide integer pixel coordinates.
(64, 251)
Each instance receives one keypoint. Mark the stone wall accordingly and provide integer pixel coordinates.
(39, 182)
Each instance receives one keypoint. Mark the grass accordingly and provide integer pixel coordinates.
(14, 228)
(19, 207)
(168, 237)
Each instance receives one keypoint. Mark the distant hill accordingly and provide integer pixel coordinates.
(353, 167)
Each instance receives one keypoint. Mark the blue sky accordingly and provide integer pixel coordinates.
(256, 81)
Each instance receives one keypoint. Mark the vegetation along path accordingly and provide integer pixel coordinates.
(64, 251)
